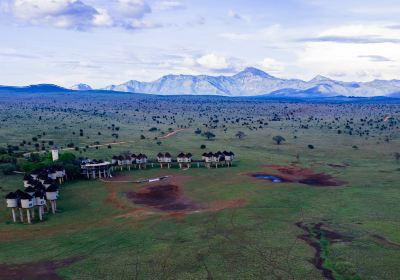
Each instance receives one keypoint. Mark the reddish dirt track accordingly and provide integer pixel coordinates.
(170, 134)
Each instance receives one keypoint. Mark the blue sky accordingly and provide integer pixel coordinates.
(109, 42)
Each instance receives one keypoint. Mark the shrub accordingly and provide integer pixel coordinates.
(8, 168)
(278, 139)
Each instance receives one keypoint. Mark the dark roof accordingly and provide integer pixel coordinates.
(11, 195)
(32, 181)
(48, 181)
(43, 176)
(133, 155)
(26, 196)
(59, 168)
(181, 155)
(189, 155)
(168, 155)
(19, 193)
(40, 188)
(27, 177)
(29, 189)
(52, 188)
(39, 194)
(160, 154)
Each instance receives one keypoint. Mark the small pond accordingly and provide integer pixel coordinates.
(272, 178)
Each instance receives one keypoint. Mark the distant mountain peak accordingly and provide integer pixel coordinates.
(254, 72)
(320, 78)
(81, 87)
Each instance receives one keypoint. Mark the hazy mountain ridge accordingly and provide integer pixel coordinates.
(252, 82)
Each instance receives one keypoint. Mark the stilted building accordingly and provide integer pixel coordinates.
(93, 169)
(164, 159)
(184, 160)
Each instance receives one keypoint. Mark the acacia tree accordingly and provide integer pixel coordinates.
(240, 135)
(278, 139)
(209, 135)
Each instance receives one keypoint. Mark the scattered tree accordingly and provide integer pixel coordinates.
(278, 139)
(240, 135)
(209, 135)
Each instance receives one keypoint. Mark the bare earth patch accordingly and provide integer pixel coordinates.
(164, 197)
(35, 271)
(169, 197)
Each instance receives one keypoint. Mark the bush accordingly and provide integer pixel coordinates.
(203, 147)
(209, 135)
(278, 139)
(311, 147)
(8, 168)
(73, 171)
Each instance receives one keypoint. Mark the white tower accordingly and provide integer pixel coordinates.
(54, 154)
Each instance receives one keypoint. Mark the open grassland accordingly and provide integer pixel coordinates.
(243, 228)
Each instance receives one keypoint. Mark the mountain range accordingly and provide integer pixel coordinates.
(252, 82)
(249, 82)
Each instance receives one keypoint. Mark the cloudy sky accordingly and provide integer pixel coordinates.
(102, 42)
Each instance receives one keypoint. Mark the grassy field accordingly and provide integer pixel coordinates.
(246, 228)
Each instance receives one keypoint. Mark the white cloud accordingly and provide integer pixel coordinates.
(359, 61)
(59, 13)
(142, 24)
(133, 8)
(77, 14)
(213, 62)
(102, 18)
(233, 14)
(210, 62)
(271, 65)
(168, 5)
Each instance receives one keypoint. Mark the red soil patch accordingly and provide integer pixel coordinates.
(163, 197)
(35, 271)
(297, 174)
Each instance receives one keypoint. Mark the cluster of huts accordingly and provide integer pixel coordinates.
(183, 160)
(137, 161)
(96, 168)
(40, 192)
(219, 158)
